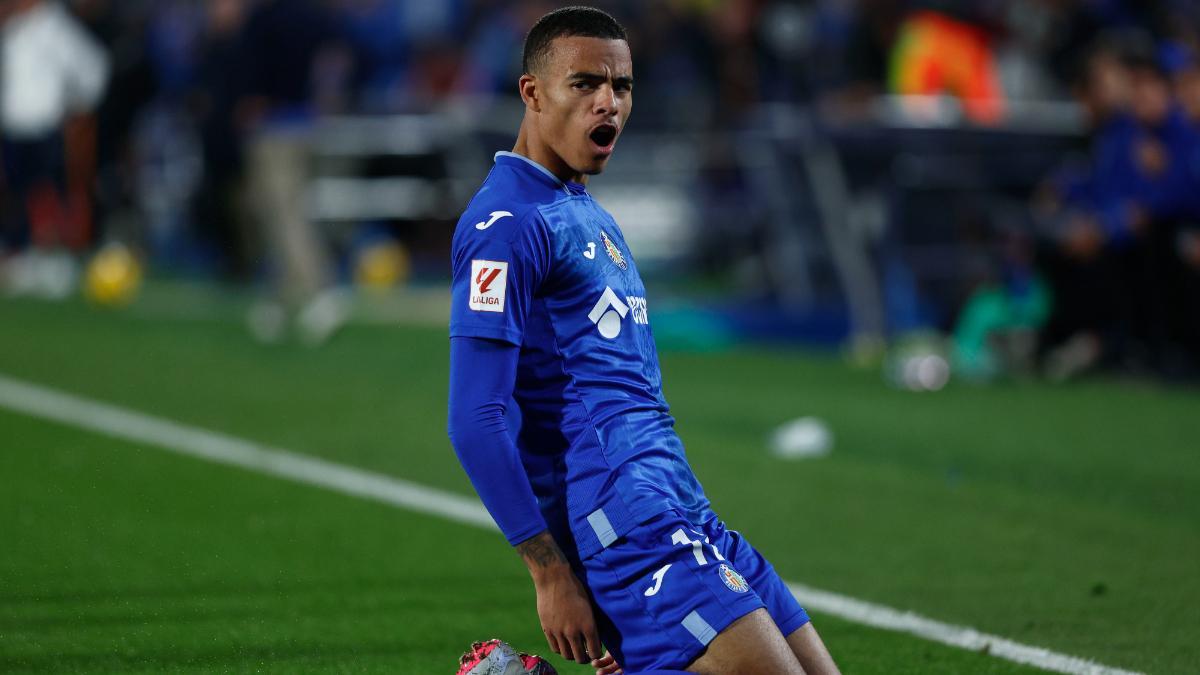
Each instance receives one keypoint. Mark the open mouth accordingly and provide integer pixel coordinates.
(604, 135)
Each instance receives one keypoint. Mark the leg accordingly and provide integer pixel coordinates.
(277, 175)
(661, 602)
(783, 613)
(811, 651)
(752, 645)
(670, 593)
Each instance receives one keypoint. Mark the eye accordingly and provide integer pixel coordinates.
(582, 86)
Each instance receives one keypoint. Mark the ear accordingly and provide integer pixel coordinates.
(527, 85)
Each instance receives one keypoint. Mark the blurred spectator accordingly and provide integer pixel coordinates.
(872, 34)
(492, 59)
(220, 84)
(382, 50)
(120, 25)
(1119, 218)
(1182, 256)
(1081, 272)
(53, 75)
(677, 59)
(297, 68)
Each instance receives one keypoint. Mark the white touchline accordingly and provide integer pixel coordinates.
(42, 402)
(881, 616)
(38, 401)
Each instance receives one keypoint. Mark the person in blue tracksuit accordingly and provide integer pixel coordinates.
(593, 488)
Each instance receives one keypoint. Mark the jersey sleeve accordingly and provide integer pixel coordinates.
(497, 270)
(482, 373)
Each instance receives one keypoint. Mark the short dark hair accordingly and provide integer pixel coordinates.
(567, 22)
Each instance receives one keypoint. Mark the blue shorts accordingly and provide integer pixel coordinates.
(668, 587)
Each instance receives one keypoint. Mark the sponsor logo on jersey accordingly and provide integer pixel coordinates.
(637, 305)
(735, 582)
(658, 580)
(489, 281)
(613, 251)
(495, 215)
(607, 314)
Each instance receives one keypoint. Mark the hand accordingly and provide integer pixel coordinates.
(563, 605)
(607, 665)
(566, 615)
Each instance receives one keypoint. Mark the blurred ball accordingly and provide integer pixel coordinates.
(918, 364)
(801, 438)
(929, 372)
(381, 265)
(113, 276)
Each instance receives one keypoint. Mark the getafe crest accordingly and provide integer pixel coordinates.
(735, 582)
(613, 251)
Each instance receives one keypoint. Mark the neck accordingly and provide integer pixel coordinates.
(530, 144)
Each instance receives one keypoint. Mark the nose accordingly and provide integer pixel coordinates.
(605, 101)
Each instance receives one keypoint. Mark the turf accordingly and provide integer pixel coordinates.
(1065, 517)
(125, 559)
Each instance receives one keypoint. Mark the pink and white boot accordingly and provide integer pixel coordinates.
(495, 657)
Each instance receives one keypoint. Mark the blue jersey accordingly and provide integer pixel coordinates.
(539, 264)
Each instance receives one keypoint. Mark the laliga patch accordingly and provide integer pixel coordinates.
(489, 280)
(735, 582)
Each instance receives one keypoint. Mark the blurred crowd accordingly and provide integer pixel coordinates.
(1122, 225)
(179, 127)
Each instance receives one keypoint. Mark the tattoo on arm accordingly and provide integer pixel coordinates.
(541, 551)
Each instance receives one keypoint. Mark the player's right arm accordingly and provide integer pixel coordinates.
(482, 373)
(497, 269)
(562, 602)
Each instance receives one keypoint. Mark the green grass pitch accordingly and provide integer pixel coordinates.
(1064, 517)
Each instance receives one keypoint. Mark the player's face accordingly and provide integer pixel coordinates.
(587, 94)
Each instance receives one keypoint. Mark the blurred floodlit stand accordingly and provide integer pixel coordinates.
(52, 75)
(835, 172)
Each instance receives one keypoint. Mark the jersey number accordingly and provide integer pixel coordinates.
(680, 537)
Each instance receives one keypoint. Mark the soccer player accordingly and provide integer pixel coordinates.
(591, 485)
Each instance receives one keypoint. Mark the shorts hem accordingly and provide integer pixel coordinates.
(732, 614)
(794, 622)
